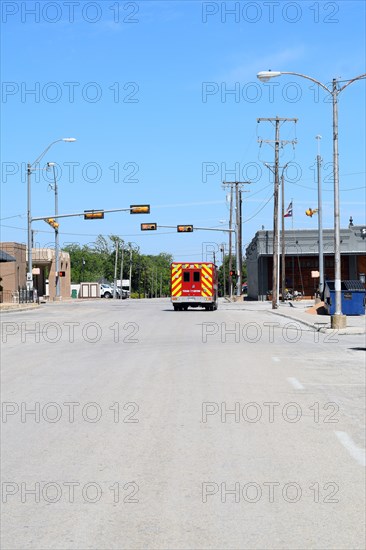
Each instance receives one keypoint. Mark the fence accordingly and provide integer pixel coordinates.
(21, 296)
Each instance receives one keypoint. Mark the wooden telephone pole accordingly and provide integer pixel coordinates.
(277, 143)
(238, 231)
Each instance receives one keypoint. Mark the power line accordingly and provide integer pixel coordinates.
(260, 210)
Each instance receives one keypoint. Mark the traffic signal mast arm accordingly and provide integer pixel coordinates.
(83, 213)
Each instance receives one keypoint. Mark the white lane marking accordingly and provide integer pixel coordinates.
(276, 359)
(295, 383)
(341, 385)
(355, 452)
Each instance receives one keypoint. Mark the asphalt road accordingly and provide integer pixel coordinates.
(126, 425)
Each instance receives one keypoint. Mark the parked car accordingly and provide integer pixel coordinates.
(106, 291)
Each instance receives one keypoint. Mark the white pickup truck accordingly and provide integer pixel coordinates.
(106, 291)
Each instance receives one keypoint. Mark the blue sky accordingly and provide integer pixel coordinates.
(145, 88)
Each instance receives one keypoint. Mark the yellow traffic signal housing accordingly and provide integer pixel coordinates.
(93, 214)
(148, 226)
(140, 209)
(53, 223)
(310, 212)
(184, 228)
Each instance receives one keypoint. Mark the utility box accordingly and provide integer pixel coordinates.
(353, 297)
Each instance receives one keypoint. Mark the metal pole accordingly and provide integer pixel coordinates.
(240, 242)
(223, 267)
(29, 223)
(230, 244)
(121, 271)
(320, 220)
(278, 254)
(130, 279)
(115, 273)
(57, 246)
(283, 256)
(337, 244)
(275, 221)
(237, 242)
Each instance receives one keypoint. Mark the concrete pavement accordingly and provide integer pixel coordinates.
(131, 426)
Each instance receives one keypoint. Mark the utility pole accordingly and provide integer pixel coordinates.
(320, 219)
(238, 231)
(278, 122)
(130, 280)
(121, 271)
(283, 239)
(230, 244)
(57, 245)
(283, 257)
(115, 272)
(222, 248)
(240, 239)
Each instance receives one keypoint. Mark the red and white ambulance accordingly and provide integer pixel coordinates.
(194, 285)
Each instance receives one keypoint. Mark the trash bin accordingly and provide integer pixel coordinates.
(353, 297)
(74, 293)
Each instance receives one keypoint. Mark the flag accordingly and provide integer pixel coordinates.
(288, 213)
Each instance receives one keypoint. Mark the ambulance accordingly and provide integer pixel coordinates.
(194, 285)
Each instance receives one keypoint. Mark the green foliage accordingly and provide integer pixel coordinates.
(150, 274)
(226, 270)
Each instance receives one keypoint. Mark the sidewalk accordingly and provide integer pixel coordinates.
(297, 311)
(6, 308)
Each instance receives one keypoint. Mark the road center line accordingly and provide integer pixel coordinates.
(355, 452)
(296, 384)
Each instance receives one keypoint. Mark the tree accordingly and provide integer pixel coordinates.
(221, 275)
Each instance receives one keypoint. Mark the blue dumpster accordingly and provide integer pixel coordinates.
(353, 297)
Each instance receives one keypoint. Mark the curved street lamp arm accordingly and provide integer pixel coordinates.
(38, 159)
(310, 78)
(360, 77)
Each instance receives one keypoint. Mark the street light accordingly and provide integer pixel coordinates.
(338, 320)
(31, 168)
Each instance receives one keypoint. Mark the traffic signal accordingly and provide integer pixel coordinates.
(184, 228)
(140, 209)
(149, 226)
(310, 212)
(53, 223)
(232, 273)
(62, 273)
(93, 214)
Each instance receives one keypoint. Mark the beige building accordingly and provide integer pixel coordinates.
(13, 273)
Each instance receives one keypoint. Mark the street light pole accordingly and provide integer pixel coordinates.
(31, 168)
(338, 320)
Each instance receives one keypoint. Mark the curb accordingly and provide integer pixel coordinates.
(324, 329)
(20, 308)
